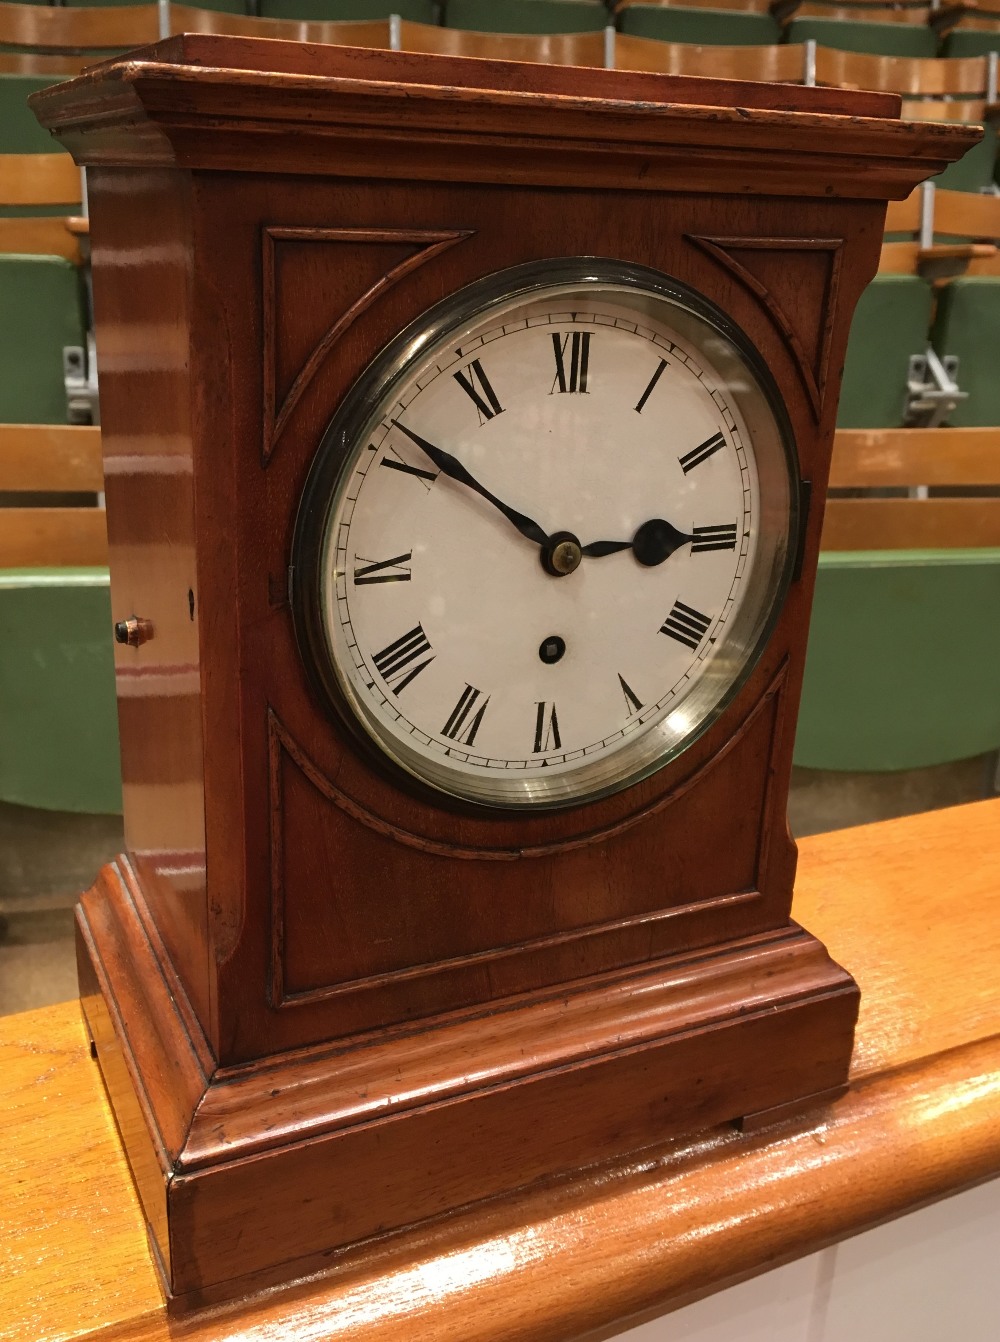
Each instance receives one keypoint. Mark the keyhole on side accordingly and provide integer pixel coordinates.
(191, 602)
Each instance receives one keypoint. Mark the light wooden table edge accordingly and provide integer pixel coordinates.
(593, 1254)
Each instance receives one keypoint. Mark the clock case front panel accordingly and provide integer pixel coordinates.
(301, 971)
(359, 901)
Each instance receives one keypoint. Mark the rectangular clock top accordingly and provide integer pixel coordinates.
(204, 101)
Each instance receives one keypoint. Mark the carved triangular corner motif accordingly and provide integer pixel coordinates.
(422, 246)
(796, 282)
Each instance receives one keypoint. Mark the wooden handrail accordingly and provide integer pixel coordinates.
(600, 1250)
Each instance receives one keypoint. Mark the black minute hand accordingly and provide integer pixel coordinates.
(450, 465)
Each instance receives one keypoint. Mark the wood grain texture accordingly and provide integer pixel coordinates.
(606, 1247)
(874, 458)
(47, 457)
(432, 121)
(784, 64)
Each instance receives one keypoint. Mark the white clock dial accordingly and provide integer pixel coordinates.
(554, 541)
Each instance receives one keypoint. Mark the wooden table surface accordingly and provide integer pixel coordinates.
(911, 907)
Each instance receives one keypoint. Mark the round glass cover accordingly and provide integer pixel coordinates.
(546, 534)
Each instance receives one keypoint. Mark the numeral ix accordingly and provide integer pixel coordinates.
(382, 570)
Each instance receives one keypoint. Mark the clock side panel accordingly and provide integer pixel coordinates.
(340, 900)
(142, 259)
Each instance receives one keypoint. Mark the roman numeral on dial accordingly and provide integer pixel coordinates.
(577, 344)
(702, 452)
(395, 662)
(546, 729)
(382, 570)
(632, 701)
(476, 386)
(686, 625)
(650, 385)
(461, 726)
(714, 538)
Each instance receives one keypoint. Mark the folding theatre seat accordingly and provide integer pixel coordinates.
(526, 16)
(890, 325)
(967, 327)
(704, 24)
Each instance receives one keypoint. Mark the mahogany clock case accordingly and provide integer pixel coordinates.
(326, 1005)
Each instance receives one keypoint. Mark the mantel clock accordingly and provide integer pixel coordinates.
(466, 432)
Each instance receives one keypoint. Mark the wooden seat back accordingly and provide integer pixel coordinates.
(914, 77)
(959, 459)
(362, 33)
(54, 29)
(772, 64)
(586, 49)
(41, 181)
(51, 459)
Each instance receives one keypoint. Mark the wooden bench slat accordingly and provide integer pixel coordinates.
(53, 538)
(875, 458)
(910, 524)
(51, 457)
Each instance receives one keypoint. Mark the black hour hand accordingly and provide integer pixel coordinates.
(654, 542)
(451, 466)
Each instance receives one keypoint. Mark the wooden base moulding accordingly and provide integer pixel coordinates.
(368, 1135)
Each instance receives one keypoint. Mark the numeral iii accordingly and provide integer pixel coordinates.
(714, 538)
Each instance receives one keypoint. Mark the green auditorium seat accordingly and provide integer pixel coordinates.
(879, 39)
(41, 310)
(972, 42)
(901, 669)
(526, 16)
(891, 322)
(418, 11)
(714, 27)
(59, 725)
(968, 326)
(975, 170)
(20, 132)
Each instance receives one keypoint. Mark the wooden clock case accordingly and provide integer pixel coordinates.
(324, 1005)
